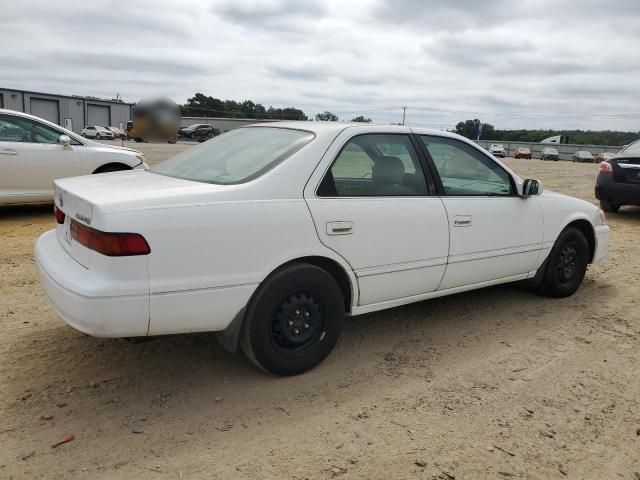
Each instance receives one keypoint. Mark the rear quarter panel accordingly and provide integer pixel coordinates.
(206, 260)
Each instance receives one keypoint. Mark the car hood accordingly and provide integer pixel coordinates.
(105, 147)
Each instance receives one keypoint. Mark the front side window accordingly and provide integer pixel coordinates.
(25, 130)
(235, 157)
(464, 171)
(375, 165)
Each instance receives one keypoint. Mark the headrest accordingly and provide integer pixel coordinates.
(388, 170)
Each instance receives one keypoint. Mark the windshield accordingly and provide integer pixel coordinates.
(194, 126)
(236, 156)
(633, 149)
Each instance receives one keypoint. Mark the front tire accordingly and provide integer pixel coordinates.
(609, 206)
(293, 320)
(567, 264)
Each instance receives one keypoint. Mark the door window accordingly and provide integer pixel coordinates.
(464, 171)
(25, 130)
(375, 165)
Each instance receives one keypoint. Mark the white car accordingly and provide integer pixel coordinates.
(270, 234)
(34, 152)
(97, 132)
(497, 150)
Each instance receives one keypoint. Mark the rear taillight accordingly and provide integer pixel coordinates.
(110, 244)
(59, 215)
(605, 167)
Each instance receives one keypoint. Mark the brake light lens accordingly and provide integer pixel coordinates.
(108, 243)
(59, 214)
(605, 167)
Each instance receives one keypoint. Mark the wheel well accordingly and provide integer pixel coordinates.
(587, 229)
(335, 270)
(107, 166)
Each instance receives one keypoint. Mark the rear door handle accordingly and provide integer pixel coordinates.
(462, 221)
(339, 228)
(8, 152)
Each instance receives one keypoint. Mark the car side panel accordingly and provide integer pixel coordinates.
(559, 211)
(207, 260)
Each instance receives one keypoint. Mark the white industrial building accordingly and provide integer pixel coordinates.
(71, 112)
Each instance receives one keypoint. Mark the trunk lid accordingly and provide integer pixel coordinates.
(626, 170)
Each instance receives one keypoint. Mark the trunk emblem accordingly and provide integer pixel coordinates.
(83, 218)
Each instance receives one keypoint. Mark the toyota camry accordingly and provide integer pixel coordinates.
(271, 234)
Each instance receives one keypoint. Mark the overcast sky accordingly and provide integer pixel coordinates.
(512, 63)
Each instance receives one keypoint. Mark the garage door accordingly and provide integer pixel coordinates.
(98, 115)
(47, 109)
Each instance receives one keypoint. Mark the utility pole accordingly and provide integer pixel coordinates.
(404, 112)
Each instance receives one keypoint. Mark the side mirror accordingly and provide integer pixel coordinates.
(531, 187)
(64, 140)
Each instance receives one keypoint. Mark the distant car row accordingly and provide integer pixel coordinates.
(550, 153)
(106, 133)
(197, 131)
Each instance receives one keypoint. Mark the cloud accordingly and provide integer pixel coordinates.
(271, 14)
(517, 60)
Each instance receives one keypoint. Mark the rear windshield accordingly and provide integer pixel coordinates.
(236, 156)
(633, 149)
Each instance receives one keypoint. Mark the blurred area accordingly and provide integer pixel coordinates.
(155, 119)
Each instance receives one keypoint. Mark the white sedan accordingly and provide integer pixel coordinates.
(270, 234)
(94, 131)
(34, 152)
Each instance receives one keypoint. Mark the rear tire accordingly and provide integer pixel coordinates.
(293, 320)
(609, 206)
(567, 264)
(138, 140)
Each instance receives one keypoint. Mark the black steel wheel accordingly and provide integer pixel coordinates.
(293, 320)
(566, 265)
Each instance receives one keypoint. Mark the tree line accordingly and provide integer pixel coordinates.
(469, 129)
(201, 105)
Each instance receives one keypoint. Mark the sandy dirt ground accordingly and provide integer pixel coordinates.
(496, 384)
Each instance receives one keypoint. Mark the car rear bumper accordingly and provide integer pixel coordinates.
(75, 293)
(617, 192)
(602, 242)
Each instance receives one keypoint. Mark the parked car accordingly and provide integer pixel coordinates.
(604, 156)
(550, 153)
(522, 152)
(618, 181)
(270, 234)
(34, 152)
(198, 130)
(117, 132)
(97, 132)
(583, 156)
(497, 150)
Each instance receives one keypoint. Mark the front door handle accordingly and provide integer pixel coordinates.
(462, 221)
(339, 228)
(8, 152)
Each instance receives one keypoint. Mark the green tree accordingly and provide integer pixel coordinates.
(201, 105)
(361, 118)
(326, 117)
(469, 129)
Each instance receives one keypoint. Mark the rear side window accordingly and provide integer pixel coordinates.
(375, 165)
(464, 171)
(235, 157)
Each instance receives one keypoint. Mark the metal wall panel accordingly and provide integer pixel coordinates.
(45, 108)
(12, 100)
(98, 115)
